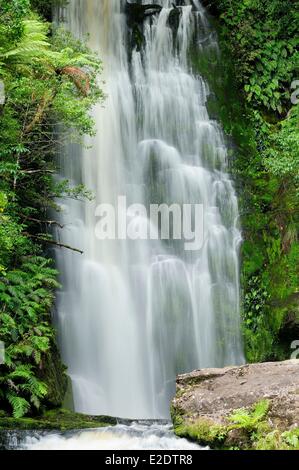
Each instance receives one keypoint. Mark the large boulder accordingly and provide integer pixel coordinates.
(250, 406)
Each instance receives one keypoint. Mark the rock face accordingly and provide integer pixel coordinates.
(54, 376)
(206, 402)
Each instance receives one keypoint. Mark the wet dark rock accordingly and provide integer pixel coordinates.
(137, 13)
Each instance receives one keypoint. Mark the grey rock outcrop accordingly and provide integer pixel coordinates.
(206, 399)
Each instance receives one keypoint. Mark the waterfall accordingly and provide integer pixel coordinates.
(132, 314)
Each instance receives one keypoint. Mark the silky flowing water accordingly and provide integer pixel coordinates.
(132, 314)
(136, 436)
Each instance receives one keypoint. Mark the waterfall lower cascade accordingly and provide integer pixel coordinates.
(136, 436)
(132, 314)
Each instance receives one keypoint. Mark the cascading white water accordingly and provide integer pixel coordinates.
(134, 314)
(136, 436)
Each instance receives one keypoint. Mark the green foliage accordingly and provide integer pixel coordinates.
(250, 420)
(49, 77)
(246, 429)
(26, 295)
(203, 431)
(259, 42)
(56, 419)
(254, 303)
(281, 157)
(258, 339)
(261, 434)
(276, 440)
(264, 41)
(32, 45)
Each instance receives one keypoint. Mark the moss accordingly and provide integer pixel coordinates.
(53, 375)
(58, 419)
(204, 432)
(68, 402)
(201, 430)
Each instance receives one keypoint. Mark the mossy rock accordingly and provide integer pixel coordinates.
(53, 374)
(204, 432)
(57, 419)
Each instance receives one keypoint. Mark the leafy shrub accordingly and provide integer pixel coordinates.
(49, 77)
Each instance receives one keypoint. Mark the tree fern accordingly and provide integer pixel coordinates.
(33, 45)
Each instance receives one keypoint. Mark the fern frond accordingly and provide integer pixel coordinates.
(261, 409)
(19, 405)
(246, 419)
(34, 42)
(21, 372)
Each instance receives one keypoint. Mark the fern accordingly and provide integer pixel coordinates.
(27, 296)
(34, 43)
(34, 387)
(22, 381)
(35, 68)
(260, 410)
(21, 372)
(20, 406)
(250, 420)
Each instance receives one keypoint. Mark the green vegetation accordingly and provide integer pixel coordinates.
(250, 419)
(58, 419)
(252, 83)
(246, 429)
(49, 77)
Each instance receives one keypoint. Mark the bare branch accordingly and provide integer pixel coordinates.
(53, 242)
(31, 172)
(47, 222)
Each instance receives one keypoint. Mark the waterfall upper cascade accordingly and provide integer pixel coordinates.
(133, 314)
